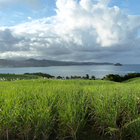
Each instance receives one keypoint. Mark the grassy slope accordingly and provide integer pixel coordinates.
(12, 77)
(73, 109)
(132, 81)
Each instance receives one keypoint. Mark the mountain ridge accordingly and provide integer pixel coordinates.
(44, 63)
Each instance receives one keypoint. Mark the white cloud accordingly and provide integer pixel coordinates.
(29, 18)
(81, 31)
(111, 26)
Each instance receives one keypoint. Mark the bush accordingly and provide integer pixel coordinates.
(118, 78)
(67, 77)
(87, 76)
(113, 77)
(40, 74)
(59, 77)
(92, 77)
(75, 77)
(131, 75)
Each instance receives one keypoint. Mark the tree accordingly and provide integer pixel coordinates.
(113, 77)
(92, 77)
(87, 76)
(67, 77)
(59, 77)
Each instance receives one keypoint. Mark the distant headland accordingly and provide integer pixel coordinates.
(44, 63)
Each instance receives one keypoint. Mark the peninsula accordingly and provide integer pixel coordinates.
(43, 63)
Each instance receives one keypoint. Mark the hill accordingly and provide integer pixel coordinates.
(132, 80)
(44, 63)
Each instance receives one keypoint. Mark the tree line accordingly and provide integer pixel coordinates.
(120, 78)
(60, 77)
(110, 77)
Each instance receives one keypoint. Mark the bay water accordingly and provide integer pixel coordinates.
(99, 71)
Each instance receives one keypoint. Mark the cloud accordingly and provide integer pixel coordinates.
(7, 3)
(81, 31)
(29, 18)
(3, 5)
(11, 43)
(33, 3)
(104, 2)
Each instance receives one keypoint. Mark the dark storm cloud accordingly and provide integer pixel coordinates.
(9, 42)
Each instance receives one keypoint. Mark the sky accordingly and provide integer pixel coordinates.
(71, 30)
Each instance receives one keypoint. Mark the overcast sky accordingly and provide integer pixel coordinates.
(71, 30)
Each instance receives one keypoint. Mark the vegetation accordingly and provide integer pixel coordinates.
(13, 77)
(60, 77)
(40, 74)
(118, 78)
(47, 109)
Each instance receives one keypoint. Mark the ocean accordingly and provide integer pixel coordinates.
(99, 71)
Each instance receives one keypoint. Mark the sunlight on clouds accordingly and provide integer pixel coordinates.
(79, 27)
(14, 54)
(86, 4)
(104, 21)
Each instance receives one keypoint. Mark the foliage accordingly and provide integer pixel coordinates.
(40, 74)
(113, 77)
(87, 76)
(68, 109)
(75, 77)
(13, 77)
(130, 75)
(118, 78)
(92, 77)
(59, 77)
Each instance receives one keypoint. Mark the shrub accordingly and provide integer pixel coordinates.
(40, 74)
(92, 77)
(87, 76)
(113, 77)
(131, 75)
(59, 77)
(67, 77)
(118, 78)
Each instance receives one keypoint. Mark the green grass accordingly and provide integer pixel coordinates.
(13, 77)
(48, 109)
(132, 81)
